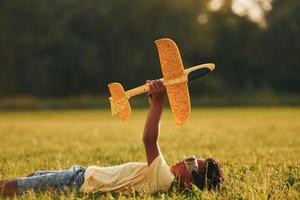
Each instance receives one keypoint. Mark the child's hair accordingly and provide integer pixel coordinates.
(213, 175)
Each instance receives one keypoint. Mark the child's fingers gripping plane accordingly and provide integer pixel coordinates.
(155, 175)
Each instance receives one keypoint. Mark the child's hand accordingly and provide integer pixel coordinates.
(156, 91)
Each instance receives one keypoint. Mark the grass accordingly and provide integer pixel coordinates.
(259, 148)
(233, 99)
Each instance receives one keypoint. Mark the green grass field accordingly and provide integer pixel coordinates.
(259, 148)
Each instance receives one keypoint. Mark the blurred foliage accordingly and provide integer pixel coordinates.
(71, 47)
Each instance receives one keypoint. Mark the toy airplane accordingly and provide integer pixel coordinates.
(175, 79)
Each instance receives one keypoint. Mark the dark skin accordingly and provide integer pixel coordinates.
(151, 130)
(150, 137)
(8, 188)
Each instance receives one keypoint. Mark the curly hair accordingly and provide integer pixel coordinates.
(211, 178)
(214, 174)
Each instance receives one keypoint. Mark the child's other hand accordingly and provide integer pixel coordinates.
(156, 91)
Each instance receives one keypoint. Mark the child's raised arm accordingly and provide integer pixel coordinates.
(151, 130)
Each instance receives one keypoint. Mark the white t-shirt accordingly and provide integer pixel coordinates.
(133, 176)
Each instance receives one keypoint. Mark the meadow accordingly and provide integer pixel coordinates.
(259, 148)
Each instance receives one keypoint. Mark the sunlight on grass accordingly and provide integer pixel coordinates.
(258, 147)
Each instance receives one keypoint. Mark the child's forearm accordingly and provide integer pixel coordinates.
(151, 129)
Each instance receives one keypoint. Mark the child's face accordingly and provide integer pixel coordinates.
(185, 178)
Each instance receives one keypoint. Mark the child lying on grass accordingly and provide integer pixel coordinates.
(155, 175)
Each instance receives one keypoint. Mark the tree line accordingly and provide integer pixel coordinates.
(72, 47)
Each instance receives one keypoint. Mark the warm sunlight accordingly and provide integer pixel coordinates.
(202, 19)
(254, 9)
(215, 4)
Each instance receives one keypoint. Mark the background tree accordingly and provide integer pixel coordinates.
(73, 47)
